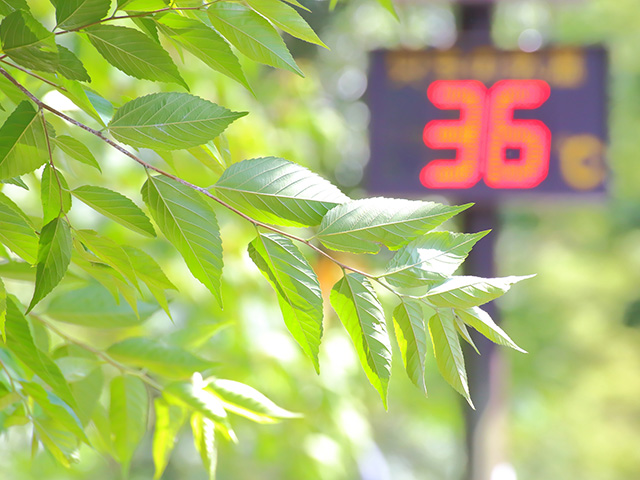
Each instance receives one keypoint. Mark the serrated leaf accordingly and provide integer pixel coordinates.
(128, 411)
(480, 320)
(252, 35)
(166, 360)
(204, 438)
(408, 319)
(23, 145)
(287, 19)
(297, 286)
(134, 53)
(109, 252)
(204, 43)
(170, 121)
(468, 291)
(17, 181)
(16, 231)
(448, 352)
(246, 401)
(202, 401)
(70, 66)
(151, 274)
(74, 91)
(430, 258)
(27, 42)
(20, 342)
(169, 421)
(94, 306)
(274, 190)
(72, 14)
(361, 226)
(76, 149)
(359, 310)
(56, 201)
(461, 328)
(190, 224)
(8, 6)
(54, 255)
(117, 207)
(3, 311)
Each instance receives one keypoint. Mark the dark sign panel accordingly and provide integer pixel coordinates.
(483, 123)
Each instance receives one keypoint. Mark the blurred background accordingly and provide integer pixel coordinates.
(571, 407)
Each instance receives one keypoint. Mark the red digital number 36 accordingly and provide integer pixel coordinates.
(484, 132)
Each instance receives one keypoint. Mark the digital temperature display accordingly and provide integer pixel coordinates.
(485, 123)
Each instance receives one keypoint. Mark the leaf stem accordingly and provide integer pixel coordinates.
(38, 77)
(53, 167)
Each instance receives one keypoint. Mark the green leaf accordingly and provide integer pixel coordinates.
(27, 42)
(274, 190)
(430, 258)
(467, 291)
(204, 43)
(56, 201)
(70, 66)
(151, 274)
(72, 14)
(57, 440)
(76, 149)
(23, 145)
(54, 255)
(194, 396)
(8, 6)
(408, 319)
(17, 181)
(167, 360)
(170, 121)
(360, 226)
(190, 224)
(117, 207)
(204, 438)
(169, 421)
(297, 286)
(461, 328)
(359, 310)
(287, 19)
(480, 320)
(3, 310)
(94, 306)
(128, 411)
(297, 4)
(252, 35)
(389, 7)
(141, 5)
(20, 342)
(134, 53)
(446, 346)
(75, 92)
(16, 231)
(87, 392)
(246, 401)
(109, 252)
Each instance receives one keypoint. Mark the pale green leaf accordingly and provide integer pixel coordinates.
(446, 347)
(16, 231)
(87, 392)
(246, 401)
(23, 145)
(128, 411)
(72, 14)
(430, 258)
(56, 201)
(94, 306)
(56, 439)
(169, 421)
(468, 291)
(361, 226)
(141, 5)
(297, 286)
(287, 19)
(27, 42)
(204, 43)
(461, 328)
(408, 319)
(190, 224)
(274, 190)
(8, 6)
(389, 7)
(167, 360)
(117, 207)
(75, 92)
(170, 121)
(359, 310)
(76, 149)
(204, 438)
(252, 35)
(480, 320)
(134, 53)
(3, 310)
(54, 255)
(70, 66)
(148, 271)
(17, 181)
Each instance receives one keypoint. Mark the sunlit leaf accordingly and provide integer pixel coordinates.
(462, 329)
(480, 320)
(54, 192)
(71, 14)
(3, 311)
(27, 42)
(204, 438)
(169, 421)
(286, 18)
(8, 6)
(149, 272)
(70, 66)
(128, 411)
(408, 319)
(76, 149)
(16, 231)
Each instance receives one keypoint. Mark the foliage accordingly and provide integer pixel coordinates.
(76, 391)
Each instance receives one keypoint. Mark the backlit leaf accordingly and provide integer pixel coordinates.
(56, 201)
(286, 18)
(169, 421)
(16, 231)
(72, 14)
(480, 320)
(3, 310)
(461, 328)
(27, 42)
(408, 319)
(76, 149)
(149, 272)
(70, 66)
(8, 6)
(204, 438)
(128, 411)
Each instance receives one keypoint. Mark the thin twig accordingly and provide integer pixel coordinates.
(53, 166)
(18, 67)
